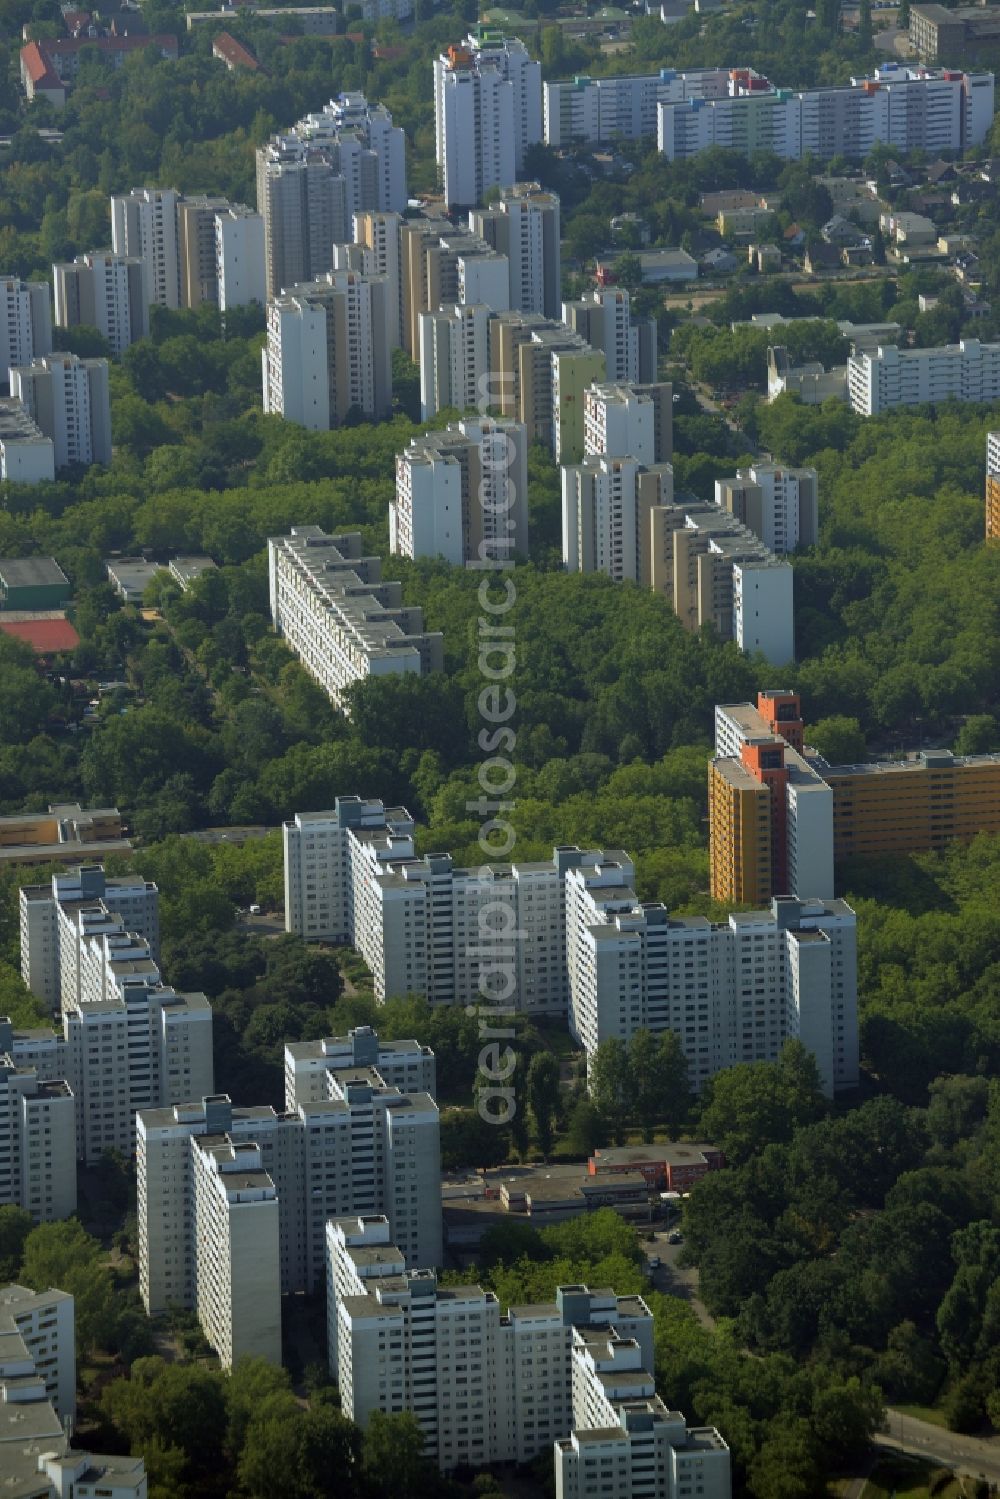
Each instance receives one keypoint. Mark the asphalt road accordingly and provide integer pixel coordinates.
(673, 1279)
(972, 1455)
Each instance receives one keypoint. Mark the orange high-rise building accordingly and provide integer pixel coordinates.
(992, 484)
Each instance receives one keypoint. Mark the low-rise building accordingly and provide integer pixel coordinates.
(62, 835)
(810, 381)
(27, 456)
(33, 583)
(131, 576)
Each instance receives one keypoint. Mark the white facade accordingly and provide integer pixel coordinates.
(732, 992)
(487, 111)
(39, 1328)
(144, 226)
(70, 400)
(103, 291)
(236, 1250)
(27, 456)
(25, 323)
(239, 257)
(309, 1065)
(397, 1340)
(993, 453)
(462, 493)
(328, 351)
(909, 107)
(779, 504)
(365, 1149)
(881, 379)
(311, 182)
(339, 618)
(453, 357)
(629, 421)
(524, 225)
(606, 505)
(625, 1443)
(604, 318)
(52, 920)
(763, 618)
(597, 110)
(37, 1137)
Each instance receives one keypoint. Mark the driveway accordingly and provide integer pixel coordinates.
(674, 1279)
(975, 1455)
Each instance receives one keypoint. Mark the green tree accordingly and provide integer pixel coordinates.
(611, 1086)
(838, 739)
(15, 1226)
(393, 1458)
(64, 1257)
(543, 1095)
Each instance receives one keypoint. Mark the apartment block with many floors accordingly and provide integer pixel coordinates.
(881, 379)
(594, 111)
(320, 850)
(487, 112)
(328, 352)
(239, 257)
(310, 1065)
(770, 809)
(604, 318)
(607, 506)
(625, 1442)
(343, 160)
(462, 493)
(523, 223)
(338, 617)
(397, 1340)
(70, 400)
(732, 992)
(25, 324)
(629, 420)
(365, 1149)
(992, 484)
(906, 106)
(51, 917)
(102, 290)
(713, 570)
(144, 227)
(38, 1403)
(40, 1327)
(453, 354)
(37, 1138)
(778, 504)
(376, 233)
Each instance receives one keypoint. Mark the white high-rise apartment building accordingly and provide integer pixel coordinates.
(310, 1065)
(453, 357)
(365, 1149)
(625, 1443)
(523, 224)
(714, 570)
(881, 379)
(239, 257)
(38, 1405)
(487, 111)
(462, 493)
(604, 319)
(732, 992)
(144, 226)
(376, 231)
(27, 456)
(52, 921)
(237, 1274)
(25, 323)
(70, 399)
(37, 1137)
(40, 1327)
(909, 107)
(779, 505)
(311, 182)
(595, 110)
(352, 875)
(606, 515)
(328, 351)
(396, 1340)
(104, 291)
(340, 619)
(629, 421)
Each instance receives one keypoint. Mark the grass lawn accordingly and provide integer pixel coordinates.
(907, 1480)
(928, 1413)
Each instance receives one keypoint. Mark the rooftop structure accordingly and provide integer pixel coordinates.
(62, 835)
